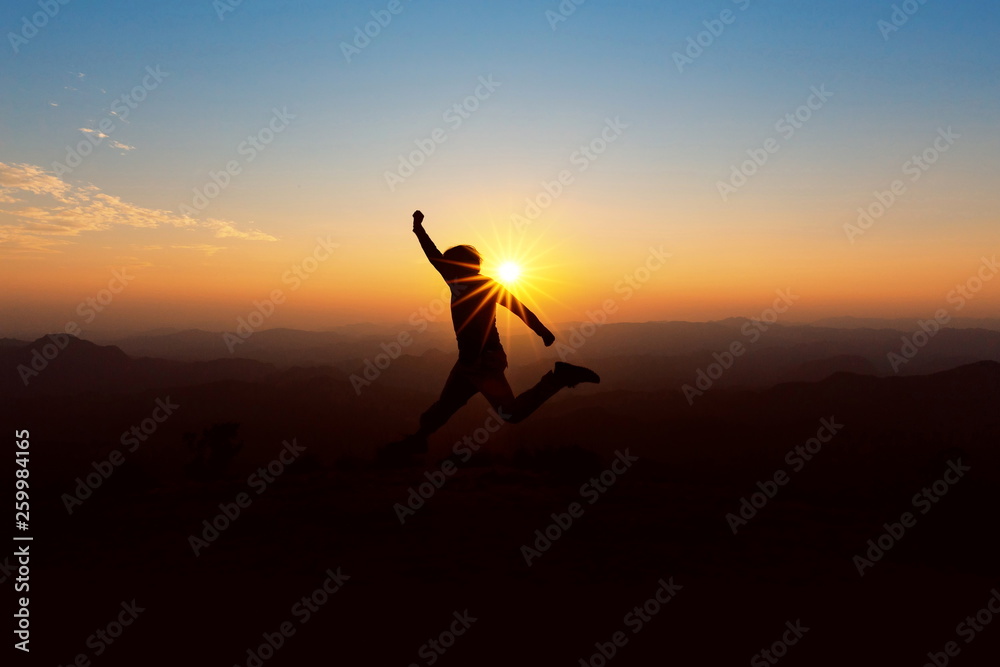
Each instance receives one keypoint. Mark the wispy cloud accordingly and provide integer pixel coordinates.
(227, 230)
(29, 178)
(113, 143)
(43, 208)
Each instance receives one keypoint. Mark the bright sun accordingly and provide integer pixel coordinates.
(520, 263)
(509, 273)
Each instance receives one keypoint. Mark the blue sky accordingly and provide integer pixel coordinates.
(557, 87)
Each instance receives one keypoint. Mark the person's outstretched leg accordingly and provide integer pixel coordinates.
(515, 409)
(528, 401)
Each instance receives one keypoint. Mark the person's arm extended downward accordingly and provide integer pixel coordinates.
(511, 303)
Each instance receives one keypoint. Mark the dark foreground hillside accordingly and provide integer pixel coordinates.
(549, 536)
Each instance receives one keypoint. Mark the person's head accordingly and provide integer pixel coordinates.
(465, 257)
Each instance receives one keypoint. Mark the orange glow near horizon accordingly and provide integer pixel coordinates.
(723, 263)
(385, 282)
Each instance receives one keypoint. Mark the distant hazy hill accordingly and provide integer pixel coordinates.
(773, 351)
(45, 367)
(282, 347)
(649, 356)
(904, 324)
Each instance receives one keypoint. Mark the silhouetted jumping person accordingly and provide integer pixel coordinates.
(481, 358)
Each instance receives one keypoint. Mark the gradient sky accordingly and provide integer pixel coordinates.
(323, 176)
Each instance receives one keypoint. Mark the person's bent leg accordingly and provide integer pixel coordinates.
(528, 401)
(456, 392)
(517, 409)
(513, 409)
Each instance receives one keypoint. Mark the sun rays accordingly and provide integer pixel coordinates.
(521, 261)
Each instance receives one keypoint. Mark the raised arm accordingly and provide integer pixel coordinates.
(433, 254)
(511, 303)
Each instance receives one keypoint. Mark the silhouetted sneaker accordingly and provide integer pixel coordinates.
(569, 375)
(402, 451)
